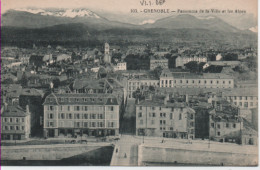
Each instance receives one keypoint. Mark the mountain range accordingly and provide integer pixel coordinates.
(65, 24)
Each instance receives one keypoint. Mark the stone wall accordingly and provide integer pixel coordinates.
(152, 154)
(44, 152)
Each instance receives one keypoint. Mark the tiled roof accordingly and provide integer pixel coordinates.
(14, 111)
(242, 92)
(80, 99)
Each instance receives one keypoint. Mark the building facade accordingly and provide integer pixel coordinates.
(134, 84)
(181, 61)
(165, 119)
(225, 127)
(190, 80)
(81, 114)
(120, 66)
(158, 61)
(15, 123)
(244, 98)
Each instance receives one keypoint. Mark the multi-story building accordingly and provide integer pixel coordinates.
(81, 114)
(158, 61)
(181, 61)
(243, 97)
(134, 84)
(15, 123)
(191, 80)
(120, 66)
(164, 118)
(225, 125)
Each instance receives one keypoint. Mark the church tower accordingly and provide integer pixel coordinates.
(107, 58)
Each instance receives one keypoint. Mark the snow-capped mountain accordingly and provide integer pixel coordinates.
(71, 13)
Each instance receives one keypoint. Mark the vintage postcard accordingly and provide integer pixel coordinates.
(129, 83)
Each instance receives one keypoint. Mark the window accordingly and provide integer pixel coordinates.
(218, 133)
(193, 81)
(234, 125)
(246, 104)
(199, 81)
(240, 98)
(235, 97)
(227, 125)
(51, 108)
(164, 122)
(161, 122)
(218, 126)
(17, 120)
(6, 128)
(180, 116)
(140, 114)
(164, 114)
(68, 108)
(140, 107)
(217, 81)
(187, 81)
(51, 124)
(212, 125)
(191, 124)
(22, 127)
(85, 116)
(11, 119)
(77, 124)
(160, 108)
(70, 116)
(153, 108)
(240, 103)
(180, 81)
(6, 120)
(211, 82)
(111, 108)
(62, 116)
(17, 127)
(161, 114)
(191, 116)
(76, 116)
(76, 108)
(170, 115)
(50, 116)
(153, 114)
(229, 82)
(223, 82)
(85, 124)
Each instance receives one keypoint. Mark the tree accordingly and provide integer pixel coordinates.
(157, 71)
(8, 81)
(56, 83)
(192, 66)
(24, 80)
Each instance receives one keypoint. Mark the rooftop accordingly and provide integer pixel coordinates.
(14, 111)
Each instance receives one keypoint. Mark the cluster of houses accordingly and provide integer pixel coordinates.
(61, 93)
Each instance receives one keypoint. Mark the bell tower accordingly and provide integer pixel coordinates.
(107, 57)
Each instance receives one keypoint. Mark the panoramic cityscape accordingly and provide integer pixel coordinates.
(81, 89)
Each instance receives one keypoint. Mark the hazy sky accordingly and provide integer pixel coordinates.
(124, 6)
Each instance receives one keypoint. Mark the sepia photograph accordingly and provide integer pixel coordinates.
(158, 83)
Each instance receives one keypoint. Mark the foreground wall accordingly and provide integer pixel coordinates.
(155, 154)
(43, 152)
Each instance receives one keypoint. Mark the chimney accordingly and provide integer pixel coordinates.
(166, 99)
(27, 108)
(187, 98)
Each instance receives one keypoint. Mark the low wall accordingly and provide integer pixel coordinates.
(44, 152)
(157, 154)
